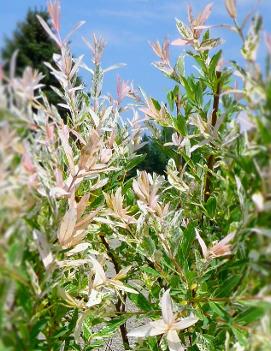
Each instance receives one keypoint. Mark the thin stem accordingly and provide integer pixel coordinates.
(168, 251)
(120, 305)
(178, 109)
(193, 300)
(239, 30)
(178, 104)
(110, 253)
(73, 180)
(211, 159)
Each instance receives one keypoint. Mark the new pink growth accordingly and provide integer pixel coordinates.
(181, 42)
(222, 248)
(160, 115)
(203, 16)
(96, 47)
(197, 23)
(162, 51)
(218, 249)
(231, 8)
(116, 207)
(54, 12)
(192, 32)
(49, 133)
(146, 188)
(59, 178)
(28, 163)
(123, 89)
(28, 83)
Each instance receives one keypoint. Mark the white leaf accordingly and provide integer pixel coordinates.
(227, 239)
(84, 66)
(58, 192)
(174, 342)
(67, 226)
(258, 200)
(231, 8)
(75, 69)
(166, 306)
(74, 29)
(62, 347)
(82, 205)
(94, 298)
(119, 285)
(78, 328)
(44, 249)
(116, 66)
(99, 184)
(63, 134)
(94, 116)
(244, 122)
(100, 277)
(12, 66)
(151, 329)
(48, 30)
(73, 263)
(262, 231)
(67, 107)
(185, 322)
(78, 248)
(203, 246)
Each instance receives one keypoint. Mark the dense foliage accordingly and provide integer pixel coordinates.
(172, 262)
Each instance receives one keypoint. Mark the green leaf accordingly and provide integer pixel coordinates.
(180, 124)
(250, 315)
(214, 61)
(38, 327)
(210, 44)
(183, 29)
(211, 206)
(149, 245)
(205, 342)
(180, 67)
(218, 310)
(187, 239)
(96, 345)
(227, 286)
(140, 301)
(170, 99)
(135, 161)
(151, 271)
(188, 85)
(241, 336)
(156, 104)
(111, 327)
(153, 344)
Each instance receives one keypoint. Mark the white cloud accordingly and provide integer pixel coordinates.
(156, 11)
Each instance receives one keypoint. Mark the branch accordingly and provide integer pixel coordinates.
(211, 159)
(178, 104)
(110, 254)
(120, 305)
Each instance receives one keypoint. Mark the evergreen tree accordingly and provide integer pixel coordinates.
(156, 155)
(35, 47)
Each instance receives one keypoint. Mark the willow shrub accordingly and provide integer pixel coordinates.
(87, 248)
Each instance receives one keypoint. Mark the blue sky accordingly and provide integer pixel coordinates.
(127, 26)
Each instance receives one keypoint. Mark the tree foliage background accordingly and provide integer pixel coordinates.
(34, 48)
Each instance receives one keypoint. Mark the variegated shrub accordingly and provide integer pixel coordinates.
(91, 254)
